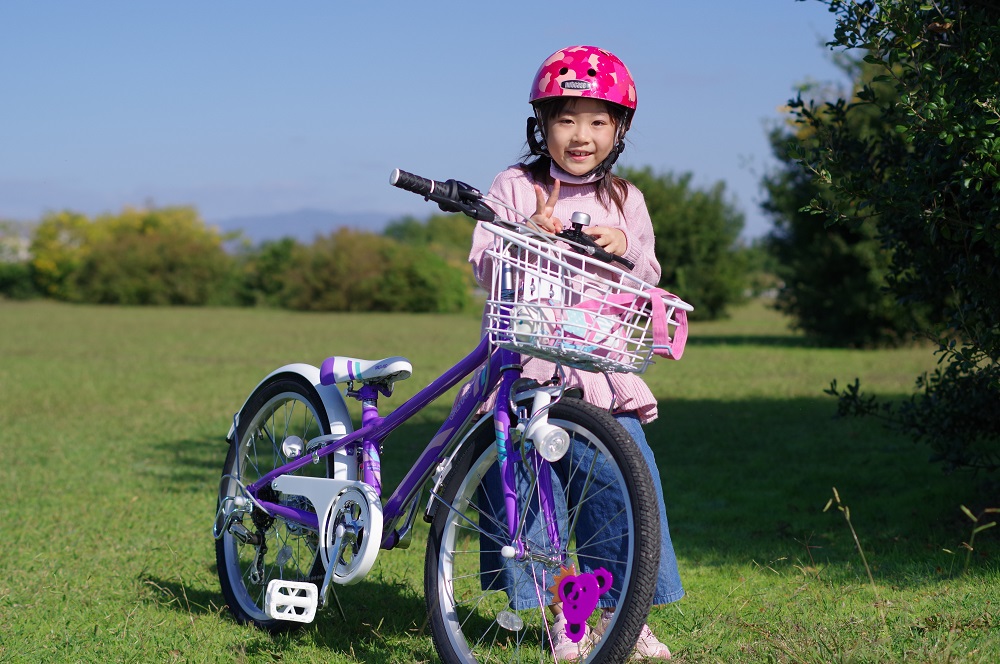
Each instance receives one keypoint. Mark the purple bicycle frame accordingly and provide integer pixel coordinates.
(503, 369)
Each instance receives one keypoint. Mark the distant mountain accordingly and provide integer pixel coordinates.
(303, 225)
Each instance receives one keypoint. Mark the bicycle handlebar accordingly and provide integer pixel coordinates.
(450, 195)
(589, 247)
(455, 196)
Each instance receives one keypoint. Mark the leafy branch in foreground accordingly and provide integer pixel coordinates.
(930, 183)
(953, 411)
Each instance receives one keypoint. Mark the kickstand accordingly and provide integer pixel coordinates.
(328, 589)
(339, 607)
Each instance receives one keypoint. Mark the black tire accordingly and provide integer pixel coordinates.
(287, 405)
(468, 600)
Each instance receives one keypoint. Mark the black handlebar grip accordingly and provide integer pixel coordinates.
(414, 183)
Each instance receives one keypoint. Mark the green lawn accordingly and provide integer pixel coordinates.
(111, 433)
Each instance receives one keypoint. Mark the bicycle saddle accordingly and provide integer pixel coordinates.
(339, 369)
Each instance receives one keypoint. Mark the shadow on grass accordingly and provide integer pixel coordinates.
(783, 341)
(748, 481)
(185, 466)
(173, 594)
(380, 613)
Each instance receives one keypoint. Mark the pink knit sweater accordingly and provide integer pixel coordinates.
(514, 187)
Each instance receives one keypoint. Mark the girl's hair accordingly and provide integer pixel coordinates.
(536, 160)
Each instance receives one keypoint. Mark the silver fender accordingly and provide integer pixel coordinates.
(333, 400)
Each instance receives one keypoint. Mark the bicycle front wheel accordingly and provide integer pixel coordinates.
(491, 599)
(279, 419)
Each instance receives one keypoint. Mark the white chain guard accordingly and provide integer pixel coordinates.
(329, 497)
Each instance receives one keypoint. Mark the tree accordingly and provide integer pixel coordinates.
(931, 187)
(833, 277)
(697, 234)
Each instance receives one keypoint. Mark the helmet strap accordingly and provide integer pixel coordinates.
(533, 130)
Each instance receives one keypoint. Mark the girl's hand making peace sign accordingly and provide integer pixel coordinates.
(544, 208)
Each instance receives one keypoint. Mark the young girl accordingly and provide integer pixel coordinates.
(584, 99)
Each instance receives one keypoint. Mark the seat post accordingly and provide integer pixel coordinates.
(371, 452)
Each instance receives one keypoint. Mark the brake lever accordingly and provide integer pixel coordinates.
(462, 198)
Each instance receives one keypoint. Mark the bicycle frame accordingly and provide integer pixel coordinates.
(502, 367)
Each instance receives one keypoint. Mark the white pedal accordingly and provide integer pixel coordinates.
(294, 601)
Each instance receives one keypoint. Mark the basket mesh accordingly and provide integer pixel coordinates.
(565, 307)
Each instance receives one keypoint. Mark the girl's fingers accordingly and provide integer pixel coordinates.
(544, 206)
(539, 201)
(554, 196)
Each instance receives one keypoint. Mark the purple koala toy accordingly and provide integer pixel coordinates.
(579, 595)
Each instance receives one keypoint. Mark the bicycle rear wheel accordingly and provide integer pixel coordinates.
(488, 608)
(254, 548)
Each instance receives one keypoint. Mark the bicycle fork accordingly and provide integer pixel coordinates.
(535, 443)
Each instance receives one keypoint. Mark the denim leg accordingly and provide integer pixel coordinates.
(526, 586)
(601, 522)
(668, 580)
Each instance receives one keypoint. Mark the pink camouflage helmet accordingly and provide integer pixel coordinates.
(584, 71)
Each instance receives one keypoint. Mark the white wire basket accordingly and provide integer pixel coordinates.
(577, 311)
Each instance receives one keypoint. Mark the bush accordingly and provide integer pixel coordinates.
(355, 271)
(16, 282)
(697, 236)
(262, 272)
(152, 257)
(449, 236)
(160, 256)
(58, 248)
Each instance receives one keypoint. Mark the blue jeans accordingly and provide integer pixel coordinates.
(598, 521)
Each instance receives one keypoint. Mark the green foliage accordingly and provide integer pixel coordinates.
(60, 243)
(262, 272)
(833, 277)
(157, 256)
(932, 188)
(354, 271)
(697, 232)
(151, 257)
(168, 256)
(15, 281)
(15, 272)
(449, 236)
(445, 231)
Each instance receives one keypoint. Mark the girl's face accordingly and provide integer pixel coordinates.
(581, 136)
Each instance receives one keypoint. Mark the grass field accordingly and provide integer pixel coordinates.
(111, 433)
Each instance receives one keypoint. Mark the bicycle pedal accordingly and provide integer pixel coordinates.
(294, 601)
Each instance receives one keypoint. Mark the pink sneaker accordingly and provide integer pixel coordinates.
(565, 650)
(647, 647)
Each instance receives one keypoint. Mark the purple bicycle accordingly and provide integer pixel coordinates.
(506, 477)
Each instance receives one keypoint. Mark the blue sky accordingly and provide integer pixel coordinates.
(253, 107)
